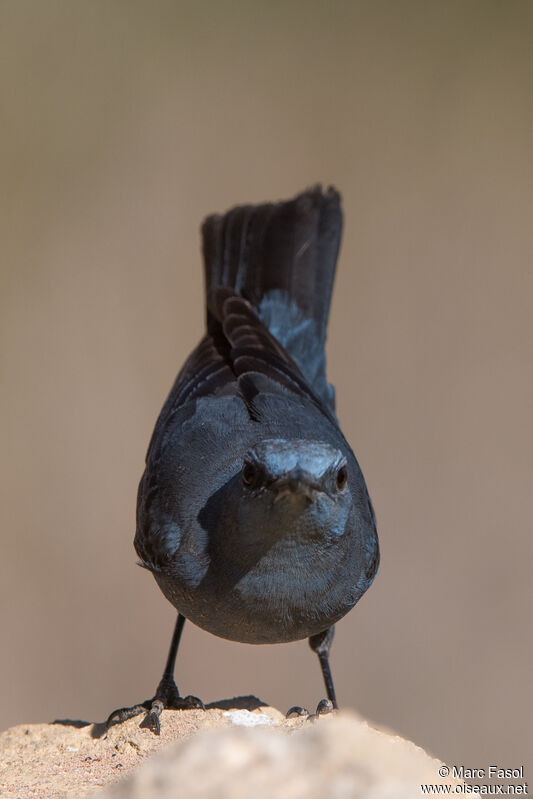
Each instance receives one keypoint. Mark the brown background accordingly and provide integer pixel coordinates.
(122, 125)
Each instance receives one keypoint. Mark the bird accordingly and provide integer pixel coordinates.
(253, 514)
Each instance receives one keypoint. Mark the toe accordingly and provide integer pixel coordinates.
(296, 711)
(192, 703)
(124, 713)
(151, 722)
(324, 706)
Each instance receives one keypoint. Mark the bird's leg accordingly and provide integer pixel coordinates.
(321, 644)
(166, 695)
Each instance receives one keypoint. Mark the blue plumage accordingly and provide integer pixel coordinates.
(253, 513)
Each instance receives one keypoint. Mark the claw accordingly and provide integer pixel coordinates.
(324, 706)
(125, 713)
(151, 720)
(295, 711)
(166, 697)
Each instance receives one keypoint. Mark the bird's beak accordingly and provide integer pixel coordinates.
(297, 483)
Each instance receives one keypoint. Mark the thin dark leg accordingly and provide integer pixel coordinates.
(321, 644)
(174, 644)
(166, 695)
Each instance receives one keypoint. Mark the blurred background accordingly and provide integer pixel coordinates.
(123, 123)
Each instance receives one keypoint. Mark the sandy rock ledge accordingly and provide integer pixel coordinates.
(236, 749)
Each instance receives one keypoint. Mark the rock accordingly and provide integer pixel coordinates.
(237, 748)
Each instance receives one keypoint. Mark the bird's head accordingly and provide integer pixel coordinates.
(299, 487)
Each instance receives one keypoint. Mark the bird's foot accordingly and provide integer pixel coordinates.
(166, 697)
(324, 707)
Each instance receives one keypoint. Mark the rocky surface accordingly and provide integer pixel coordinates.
(239, 748)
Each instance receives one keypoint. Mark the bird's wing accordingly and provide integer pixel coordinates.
(259, 362)
(238, 356)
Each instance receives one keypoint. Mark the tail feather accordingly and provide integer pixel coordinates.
(282, 258)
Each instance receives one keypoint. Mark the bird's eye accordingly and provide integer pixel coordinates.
(342, 477)
(249, 474)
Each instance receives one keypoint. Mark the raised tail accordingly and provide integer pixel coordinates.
(282, 258)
